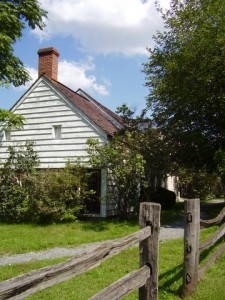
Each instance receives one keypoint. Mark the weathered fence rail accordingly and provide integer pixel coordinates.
(192, 248)
(146, 278)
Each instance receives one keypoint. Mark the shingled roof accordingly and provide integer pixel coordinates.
(103, 117)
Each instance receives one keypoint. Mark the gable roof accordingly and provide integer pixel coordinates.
(103, 117)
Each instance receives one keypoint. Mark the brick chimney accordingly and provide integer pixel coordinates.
(48, 63)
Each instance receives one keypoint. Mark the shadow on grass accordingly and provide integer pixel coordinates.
(205, 254)
(169, 280)
(174, 215)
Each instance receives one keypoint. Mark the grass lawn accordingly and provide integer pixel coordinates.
(21, 238)
(170, 276)
(24, 238)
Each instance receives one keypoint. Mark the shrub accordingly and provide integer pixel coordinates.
(28, 195)
(60, 194)
(166, 198)
(18, 167)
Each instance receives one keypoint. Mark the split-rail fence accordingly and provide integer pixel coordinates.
(145, 278)
(192, 247)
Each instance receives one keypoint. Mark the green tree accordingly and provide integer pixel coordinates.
(199, 184)
(185, 75)
(14, 16)
(125, 168)
(10, 120)
(148, 141)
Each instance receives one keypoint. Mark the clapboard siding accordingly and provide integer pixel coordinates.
(46, 114)
(43, 105)
(68, 121)
(42, 135)
(47, 127)
(59, 150)
(43, 108)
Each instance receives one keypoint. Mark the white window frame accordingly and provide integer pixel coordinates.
(7, 135)
(57, 132)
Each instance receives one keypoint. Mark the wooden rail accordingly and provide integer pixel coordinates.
(146, 278)
(192, 248)
(125, 285)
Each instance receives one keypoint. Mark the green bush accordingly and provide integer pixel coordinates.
(14, 176)
(60, 194)
(28, 195)
(166, 198)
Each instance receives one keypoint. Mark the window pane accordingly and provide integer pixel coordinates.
(57, 131)
(7, 134)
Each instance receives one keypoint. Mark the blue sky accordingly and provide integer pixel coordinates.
(102, 46)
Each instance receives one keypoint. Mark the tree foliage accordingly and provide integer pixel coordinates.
(125, 168)
(137, 158)
(185, 75)
(148, 141)
(14, 16)
(15, 183)
(10, 120)
(44, 196)
(199, 184)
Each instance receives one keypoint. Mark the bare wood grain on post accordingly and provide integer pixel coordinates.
(191, 246)
(150, 216)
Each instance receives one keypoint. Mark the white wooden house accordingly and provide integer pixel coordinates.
(60, 121)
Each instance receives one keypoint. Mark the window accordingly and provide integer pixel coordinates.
(57, 132)
(7, 134)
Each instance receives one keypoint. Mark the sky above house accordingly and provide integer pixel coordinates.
(102, 46)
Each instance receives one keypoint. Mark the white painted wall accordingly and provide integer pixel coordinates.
(43, 107)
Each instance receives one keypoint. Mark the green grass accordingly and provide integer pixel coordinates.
(24, 238)
(13, 270)
(21, 238)
(89, 283)
(84, 286)
(212, 284)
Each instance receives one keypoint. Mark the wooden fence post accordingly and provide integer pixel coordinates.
(191, 246)
(148, 248)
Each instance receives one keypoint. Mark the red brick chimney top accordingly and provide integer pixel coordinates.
(48, 63)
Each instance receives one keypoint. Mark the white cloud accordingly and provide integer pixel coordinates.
(75, 75)
(116, 26)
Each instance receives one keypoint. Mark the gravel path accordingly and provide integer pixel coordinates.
(174, 231)
(166, 232)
